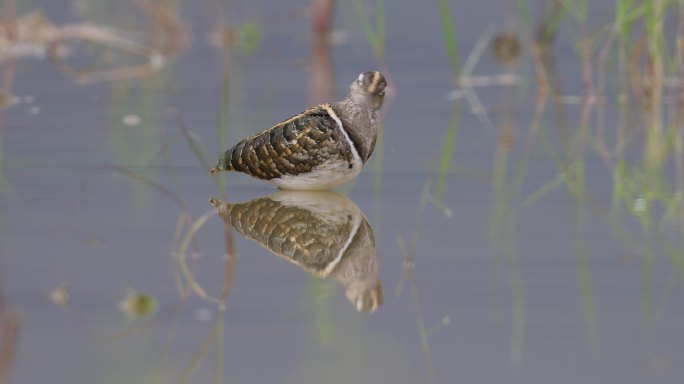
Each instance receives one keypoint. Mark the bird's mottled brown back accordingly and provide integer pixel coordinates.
(292, 147)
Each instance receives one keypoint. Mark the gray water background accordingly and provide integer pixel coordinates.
(513, 303)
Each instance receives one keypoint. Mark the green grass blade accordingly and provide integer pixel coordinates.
(447, 152)
(449, 37)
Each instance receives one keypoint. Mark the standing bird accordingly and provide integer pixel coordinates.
(320, 148)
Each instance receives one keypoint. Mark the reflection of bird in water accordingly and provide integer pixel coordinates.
(323, 233)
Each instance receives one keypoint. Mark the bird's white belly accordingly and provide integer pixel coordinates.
(325, 176)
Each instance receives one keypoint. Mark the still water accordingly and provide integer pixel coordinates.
(496, 236)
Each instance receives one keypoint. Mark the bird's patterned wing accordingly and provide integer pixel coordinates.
(292, 147)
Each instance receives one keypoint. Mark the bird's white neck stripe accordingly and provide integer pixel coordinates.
(332, 114)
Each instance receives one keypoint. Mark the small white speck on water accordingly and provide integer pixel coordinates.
(34, 110)
(29, 99)
(448, 213)
(60, 295)
(338, 37)
(131, 120)
(446, 320)
(640, 205)
(203, 315)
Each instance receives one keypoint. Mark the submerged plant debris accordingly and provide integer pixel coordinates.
(33, 35)
(138, 304)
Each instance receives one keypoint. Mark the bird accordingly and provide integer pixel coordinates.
(321, 148)
(321, 232)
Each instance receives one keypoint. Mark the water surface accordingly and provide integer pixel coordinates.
(539, 248)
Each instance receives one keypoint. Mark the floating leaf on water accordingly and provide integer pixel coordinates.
(138, 304)
(505, 48)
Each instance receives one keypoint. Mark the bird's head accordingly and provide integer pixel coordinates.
(368, 89)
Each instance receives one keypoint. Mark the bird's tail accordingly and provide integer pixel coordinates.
(224, 163)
